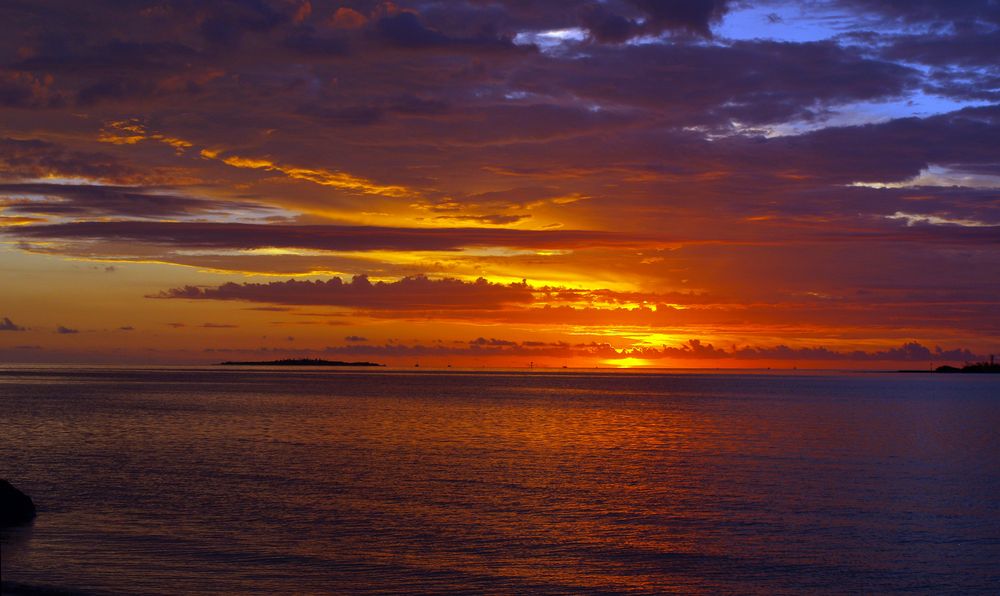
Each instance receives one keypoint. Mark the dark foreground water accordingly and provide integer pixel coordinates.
(336, 481)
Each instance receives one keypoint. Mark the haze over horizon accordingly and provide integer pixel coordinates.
(713, 183)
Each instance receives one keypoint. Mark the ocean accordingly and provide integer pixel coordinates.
(349, 481)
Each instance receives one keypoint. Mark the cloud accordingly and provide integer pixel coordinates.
(120, 70)
(405, 31)
(320, 176)
(929, 11)
(92, 200)
(347, 18)
(692, 350)
(407, 293)
(226, 22)
(323, 237)
(113, 56)
(7, 325)
(752, 82)
(876, 312)
(355, 339)
(36, 159)
(496, 219)
(653, 18)
(27, 90)
(908, 352)
(308, 41)
(66, 330)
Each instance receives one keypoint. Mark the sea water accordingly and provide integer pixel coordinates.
(225, 480)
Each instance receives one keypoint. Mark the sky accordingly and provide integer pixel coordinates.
(581, 183)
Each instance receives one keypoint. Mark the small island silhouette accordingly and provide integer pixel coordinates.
(976, 367)
(299, 362)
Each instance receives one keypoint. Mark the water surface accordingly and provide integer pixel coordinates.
(169, 481)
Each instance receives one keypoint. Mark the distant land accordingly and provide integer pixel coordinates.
(300, 362)
(978, 367)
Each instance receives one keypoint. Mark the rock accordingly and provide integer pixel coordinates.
(16, 507)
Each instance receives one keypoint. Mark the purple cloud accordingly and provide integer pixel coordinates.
(405, 294)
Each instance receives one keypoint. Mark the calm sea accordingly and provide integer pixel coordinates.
(203, 480)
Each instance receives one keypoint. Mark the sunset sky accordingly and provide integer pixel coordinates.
(703, 183)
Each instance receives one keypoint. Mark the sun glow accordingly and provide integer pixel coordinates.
(628, 362)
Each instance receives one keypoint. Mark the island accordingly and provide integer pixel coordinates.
(299, 362)
(977, 367)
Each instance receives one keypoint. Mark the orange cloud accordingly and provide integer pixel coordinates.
(347, 18)
(323, 177)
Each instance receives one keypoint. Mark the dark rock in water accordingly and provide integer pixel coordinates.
(16, 507)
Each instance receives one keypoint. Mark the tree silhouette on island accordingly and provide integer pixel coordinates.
(978, 367)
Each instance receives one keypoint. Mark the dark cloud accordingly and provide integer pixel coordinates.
(66, 330)
(7, 325)
(607, 26)
(117, 69)
(482, 341)
(373, 112)
(26, 90)
(655, 17)
(691, 350)
(693, 15)
(361, 115)
(753, 82)
(114, 57)
(355, 339)
(404, 30)
(310, 42)
(607, 21)
(225, 23)
(408, 293)
(90, 200)
(946, 51)
(328, 237)
(35, 158)
(908, 352)
(929, 12)
(886, 152)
